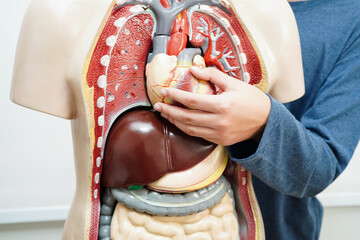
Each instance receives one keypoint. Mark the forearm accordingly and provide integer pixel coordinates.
(290, 157)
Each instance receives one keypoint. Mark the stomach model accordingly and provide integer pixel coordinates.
(157, 182)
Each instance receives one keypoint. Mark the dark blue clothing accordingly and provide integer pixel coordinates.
(308, 143)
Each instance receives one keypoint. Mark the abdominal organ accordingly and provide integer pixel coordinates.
(143, 46)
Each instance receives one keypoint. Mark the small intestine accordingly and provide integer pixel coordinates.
(215, 223)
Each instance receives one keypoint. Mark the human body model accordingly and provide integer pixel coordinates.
(54, 67)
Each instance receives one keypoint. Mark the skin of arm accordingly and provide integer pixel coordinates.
(239, 113)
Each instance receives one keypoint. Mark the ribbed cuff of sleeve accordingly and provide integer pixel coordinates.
(249, 153)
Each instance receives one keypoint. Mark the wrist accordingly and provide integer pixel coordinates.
(263, 117)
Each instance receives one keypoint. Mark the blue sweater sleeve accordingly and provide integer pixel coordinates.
(302, 156)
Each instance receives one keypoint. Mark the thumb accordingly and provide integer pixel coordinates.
(220, 79)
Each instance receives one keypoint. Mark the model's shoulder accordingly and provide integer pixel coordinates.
(62, 20)
(46, 13)
(262, 5)
(59, 11)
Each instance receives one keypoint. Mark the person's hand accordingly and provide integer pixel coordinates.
(239, 113)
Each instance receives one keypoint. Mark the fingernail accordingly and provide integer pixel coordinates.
(163, 92)
(157, 107)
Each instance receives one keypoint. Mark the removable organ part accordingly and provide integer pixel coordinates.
(142, 147)
(174, 72)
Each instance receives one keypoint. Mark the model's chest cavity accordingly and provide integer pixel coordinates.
(145, 48)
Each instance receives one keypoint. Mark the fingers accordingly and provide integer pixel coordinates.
(203, 131)
(222, 80)
(186, 116)
(192, 122)
(193, 130)
(207, 103)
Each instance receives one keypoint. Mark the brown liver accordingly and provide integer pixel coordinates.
(142, 147)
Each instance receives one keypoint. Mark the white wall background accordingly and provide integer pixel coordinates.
(37, 177)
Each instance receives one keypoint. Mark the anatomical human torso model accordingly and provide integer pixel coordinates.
(103, 63)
